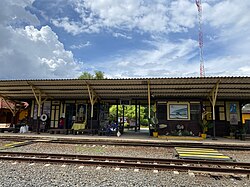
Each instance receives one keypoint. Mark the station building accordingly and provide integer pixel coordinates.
(176, 102)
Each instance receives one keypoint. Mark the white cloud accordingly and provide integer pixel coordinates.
(74, 27)
(13, 12)
(82, 45)
(30, 53)
(183, 15)
(156, 16)
(227, 13)
(228, 66)
(230, 19)
(230, 24)
(164, 59)
(117, 35)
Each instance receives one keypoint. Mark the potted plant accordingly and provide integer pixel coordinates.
(154, 123)
(205, 125)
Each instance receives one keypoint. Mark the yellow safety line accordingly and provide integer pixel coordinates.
(14, 143)
(200, 153)
(203, 156)
(8, 145)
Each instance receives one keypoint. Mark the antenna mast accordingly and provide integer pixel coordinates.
(202, 69)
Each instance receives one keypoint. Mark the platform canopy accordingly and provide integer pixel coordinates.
(128, 89)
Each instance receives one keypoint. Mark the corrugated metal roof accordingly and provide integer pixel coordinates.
(137, 88)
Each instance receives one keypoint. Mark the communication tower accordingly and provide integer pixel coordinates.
(199, 7)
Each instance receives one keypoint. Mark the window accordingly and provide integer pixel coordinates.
(195, 111)
(162, 111)
(46, 108)
(221, 113)
(55, 109)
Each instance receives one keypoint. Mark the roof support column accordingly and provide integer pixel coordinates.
(93, 98)
(139, 120)
(123, 118)
(39, 104)
(149, 100)
(212, 97)
(117, 111)
(136, 116)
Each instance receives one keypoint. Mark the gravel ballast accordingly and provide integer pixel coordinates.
(127, 151)
(239, 156)
(86, 149)
(24, 174)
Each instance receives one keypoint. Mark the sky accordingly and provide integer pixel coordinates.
(54, 39)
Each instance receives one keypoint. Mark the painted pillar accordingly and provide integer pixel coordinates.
(136, 116)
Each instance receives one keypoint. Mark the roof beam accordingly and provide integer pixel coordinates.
(34, 88)
(212, 97)
(92, 97)
(38, 98)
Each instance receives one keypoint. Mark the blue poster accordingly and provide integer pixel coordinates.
(232, 108)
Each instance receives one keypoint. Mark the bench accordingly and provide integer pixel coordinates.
(102, 132)
(131, 125)
(82, 131)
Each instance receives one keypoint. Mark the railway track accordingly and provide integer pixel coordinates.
(157, 144)
(131, 162)
(131, 143)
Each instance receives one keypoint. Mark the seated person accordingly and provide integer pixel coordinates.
(113, 127)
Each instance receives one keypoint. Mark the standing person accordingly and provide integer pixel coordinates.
(61, 123)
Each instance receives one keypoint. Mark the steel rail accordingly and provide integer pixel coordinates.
(137, 165)
(133, 143)
(132, 162)
(154, 144)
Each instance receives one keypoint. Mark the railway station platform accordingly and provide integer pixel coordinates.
(129, 137)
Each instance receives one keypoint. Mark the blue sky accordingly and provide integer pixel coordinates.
(123, 38)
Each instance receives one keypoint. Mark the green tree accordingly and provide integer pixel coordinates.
(129, 112)
(99, 75)
(87, 75)
(112, 112)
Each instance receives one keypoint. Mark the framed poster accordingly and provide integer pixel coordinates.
(178, 111)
